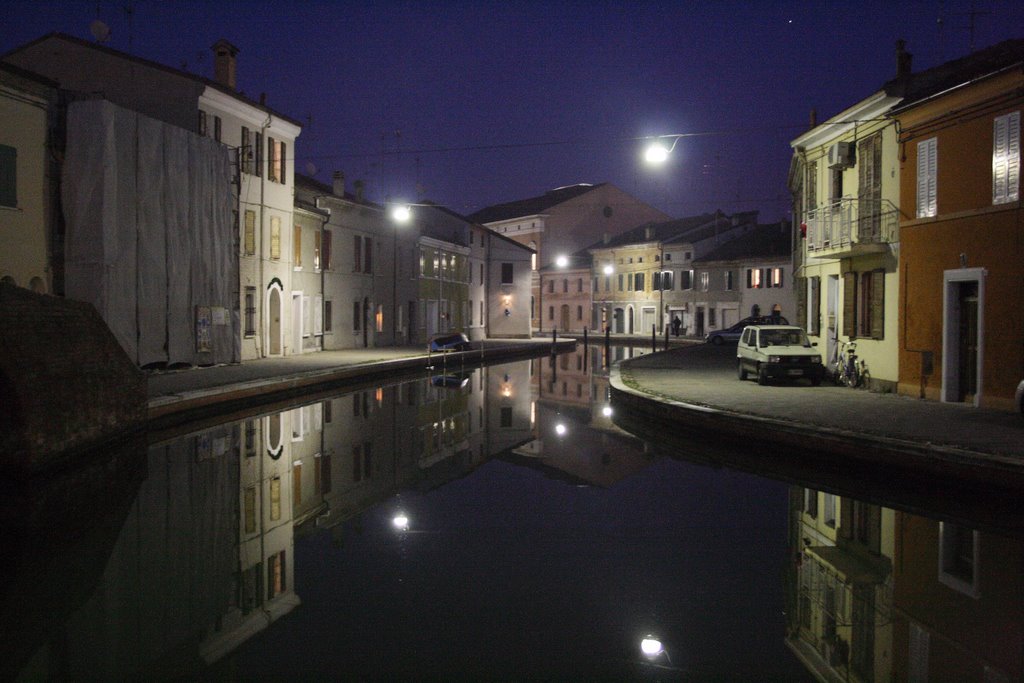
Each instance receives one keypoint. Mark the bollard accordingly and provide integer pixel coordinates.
(666, 338)
(654, 338)
(586, 350)
(607, 345)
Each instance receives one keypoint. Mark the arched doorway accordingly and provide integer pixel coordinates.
(565, 317)
(274, 320)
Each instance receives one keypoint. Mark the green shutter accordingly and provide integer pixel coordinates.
(878, 304)
(8, 176)
(850, 305)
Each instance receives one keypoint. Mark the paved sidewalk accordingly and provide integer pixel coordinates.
(699, 382)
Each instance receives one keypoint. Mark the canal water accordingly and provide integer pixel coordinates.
(489, 523)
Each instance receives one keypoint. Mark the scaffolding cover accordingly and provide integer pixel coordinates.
(149, 234)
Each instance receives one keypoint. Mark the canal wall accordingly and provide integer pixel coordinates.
(65, 383)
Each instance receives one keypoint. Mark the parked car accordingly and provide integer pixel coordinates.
(449, 342)
(733, 332)
(1020, 397)
(772, 352)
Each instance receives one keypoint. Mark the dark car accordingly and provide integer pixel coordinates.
(732, 333)
(449, 342)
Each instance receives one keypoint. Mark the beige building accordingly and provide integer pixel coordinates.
(28, 223)
(565, 220)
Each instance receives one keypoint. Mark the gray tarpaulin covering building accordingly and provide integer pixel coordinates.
(150, 234)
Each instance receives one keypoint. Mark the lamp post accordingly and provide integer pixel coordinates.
(400, 214)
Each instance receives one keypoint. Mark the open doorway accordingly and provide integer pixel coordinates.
(963, 335)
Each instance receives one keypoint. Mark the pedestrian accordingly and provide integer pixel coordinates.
(676, 324)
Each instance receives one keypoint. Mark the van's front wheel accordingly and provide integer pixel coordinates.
(740, 371)
(762, 375)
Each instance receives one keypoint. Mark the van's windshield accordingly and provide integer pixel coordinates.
(784, 338)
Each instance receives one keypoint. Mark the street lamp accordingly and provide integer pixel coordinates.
(400, 214)
(659, 149)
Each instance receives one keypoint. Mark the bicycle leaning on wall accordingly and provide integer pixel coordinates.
(847, 369)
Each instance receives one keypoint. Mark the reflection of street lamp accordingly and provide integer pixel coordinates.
(400, 214)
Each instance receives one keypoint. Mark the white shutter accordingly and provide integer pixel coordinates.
(927, 168)
(318, 315)
(1006, 158)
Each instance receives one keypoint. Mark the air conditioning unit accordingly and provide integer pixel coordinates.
(841, 155)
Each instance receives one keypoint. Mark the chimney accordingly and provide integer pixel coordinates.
(903, 60)
(649, 232)
(224, 63)
(359, 190)
(814, 117)
(607, 238)
(338, 182)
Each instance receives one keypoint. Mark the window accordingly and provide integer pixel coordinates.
(250, 311)
(639, 282)
(551, 312)
(565, 286)
(837, 185)
(328, 319)
(275, 499)
(711, 316)
(506, 416)
(317, 245)
(729, 284)
(357, 252)
(620, 282)
(8, 176)
(579, 313)
(275, 237)
(201, 128)
(250, 232)
(1006, 158)
(245, 150)
(705, 280)
(754, 278)
(502, 274)
(506, 273)
(551, 286)
(811, 503)
(776, 280)
(814, 305)
(276, 168)
(297, 247)
(579, 285)
(378, 317)
(297, 483)
(217, 126)
(250, 510)
(829, 515)
(357, 316)
(927, 172)
(864, 304)
(687, 256)
(811, 194)
(656, 282)
(275, 575)
(323, 483)
(667, 280)
(668, 257)
(958, 558)
(686, 279)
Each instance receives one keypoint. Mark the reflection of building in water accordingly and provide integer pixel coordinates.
(959, 614)
(202, 562)
(574, 436)
(263, 583)
(414, 435)
(840, 611)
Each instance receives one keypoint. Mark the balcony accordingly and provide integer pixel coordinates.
(852, 227)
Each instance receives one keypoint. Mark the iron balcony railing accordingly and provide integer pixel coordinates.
(845, 223)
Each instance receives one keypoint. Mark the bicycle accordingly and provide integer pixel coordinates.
(846, 369)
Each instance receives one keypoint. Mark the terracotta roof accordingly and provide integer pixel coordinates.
(309, 183)
(923, 84)
(154, 65)
(531, 206)
(764, 241)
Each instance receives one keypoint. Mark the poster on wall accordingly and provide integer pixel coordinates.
(204, 323)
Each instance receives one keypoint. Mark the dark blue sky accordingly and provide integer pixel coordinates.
(523, 97)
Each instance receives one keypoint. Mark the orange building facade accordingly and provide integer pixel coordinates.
(961, 252)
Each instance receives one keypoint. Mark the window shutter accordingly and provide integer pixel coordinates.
(1006, 158)
(850, 304)
(815, 307)
(8, 176)
(326, 250)
(878, 304)
(801, 303)
(927, 166)
(750, 278)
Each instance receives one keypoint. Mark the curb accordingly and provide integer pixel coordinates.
(845, 447)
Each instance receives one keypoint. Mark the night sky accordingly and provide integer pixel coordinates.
(476, 103)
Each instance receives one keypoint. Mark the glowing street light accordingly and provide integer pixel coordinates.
(656, 153)
(401, 213)
(400, 521)
(606, 411)
(651, 647)
(609, 269)
(562, 261)
(560, 429)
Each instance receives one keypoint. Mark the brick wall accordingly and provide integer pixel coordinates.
(65, 383)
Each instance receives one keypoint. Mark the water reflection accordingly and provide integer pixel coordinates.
(444, 526)
(880, 594)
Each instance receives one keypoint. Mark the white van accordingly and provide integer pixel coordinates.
(777, 352)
